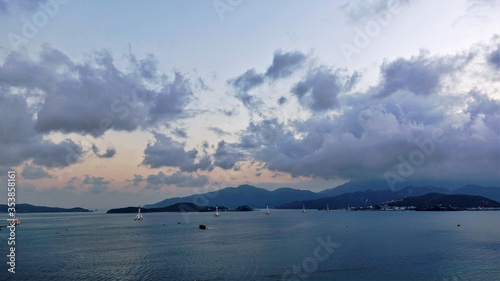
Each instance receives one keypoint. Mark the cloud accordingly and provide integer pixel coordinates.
(179, 179)
(327, 151)
(359, 10)
(96, 184)
(229, 113)
(247, 81)
(367, 137)
(110, 152)
(226, 156)
(320, 88)
(31, 5)
(218, 131)
(32, 172)
(136, 180)
(282, 100)
(95, 96)
(166, 152)
(284, 64)
(72, 184)
(421, 75)
(493, 58)
(20, 142)
(181, 133)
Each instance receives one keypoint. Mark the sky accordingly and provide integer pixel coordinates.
(109, 104)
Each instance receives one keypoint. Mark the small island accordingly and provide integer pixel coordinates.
(179, 207)
(243, 208)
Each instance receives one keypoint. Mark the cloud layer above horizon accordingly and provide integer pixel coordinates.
(294, 116)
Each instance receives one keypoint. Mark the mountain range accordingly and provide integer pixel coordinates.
(354, 194)
(28, 208)
(233, 197)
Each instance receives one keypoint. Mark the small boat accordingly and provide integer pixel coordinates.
(217, 214)
(15, 220)
(202, 226)
(303, 209)
(139, 215)
(327, 208)
(267, 210)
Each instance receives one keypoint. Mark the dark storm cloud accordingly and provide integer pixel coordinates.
(95, 96)
(20, 142)
(320, 88)
(166, 152)
(420, 75)
(179, 179)
(96, 184)
(32, 172)
(110, 152)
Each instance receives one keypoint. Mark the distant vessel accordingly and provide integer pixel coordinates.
(15, 220)
(303, 208)
(267, 210)
(216, 211)
(327, 208)
(139, 215)
(202, 226)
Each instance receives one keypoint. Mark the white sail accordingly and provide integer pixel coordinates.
(139, 215)
(15, 221)
(267, 210)
(216, 211)
(303, 208)
(327, 208)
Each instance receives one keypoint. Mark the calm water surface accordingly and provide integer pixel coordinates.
(317, 245)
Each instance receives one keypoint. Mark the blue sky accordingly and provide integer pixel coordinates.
(113, 103)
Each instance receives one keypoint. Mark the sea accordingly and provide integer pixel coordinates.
(285, 245)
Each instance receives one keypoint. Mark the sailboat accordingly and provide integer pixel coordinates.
(139, 215)
(15, 220)
(303, 208)
(327, 208)
(267, 210)
(216, 211)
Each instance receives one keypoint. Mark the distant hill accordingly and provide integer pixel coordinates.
(361, 198)
(178, 207)
(432, 200)
(354, 186)
(28, 208)
(488, 192)
(233, 197)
